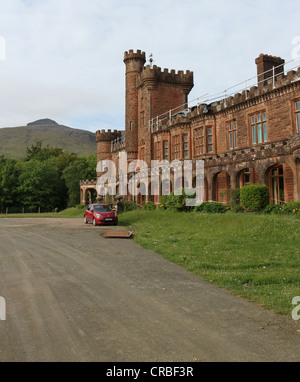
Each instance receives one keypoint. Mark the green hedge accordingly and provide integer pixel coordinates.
(149, 206)
(129, 206)
(211, 208)
(254, 197)
(290, 208)
(176, 200)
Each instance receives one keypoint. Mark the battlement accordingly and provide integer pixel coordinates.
(131, 55)
(102, 135)
(152, 75)
(268, 57)
(267, 65)
(291, 78)
(272, 84)
(87, 182)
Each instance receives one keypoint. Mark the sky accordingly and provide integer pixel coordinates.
(63, 59)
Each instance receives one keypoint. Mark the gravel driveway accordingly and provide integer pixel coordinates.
(72, 295)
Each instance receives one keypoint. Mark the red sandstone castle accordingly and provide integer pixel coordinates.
(248, 137)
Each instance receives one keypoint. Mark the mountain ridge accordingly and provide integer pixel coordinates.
(15, 140)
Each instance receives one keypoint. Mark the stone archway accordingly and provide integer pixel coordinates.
(220, 184)
(280, 180)
(142, 196)
(88, 191)
(203, 194)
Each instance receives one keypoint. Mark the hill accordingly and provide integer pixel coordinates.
(15, 140)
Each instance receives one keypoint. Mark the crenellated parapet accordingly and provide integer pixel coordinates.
(244, 99)
(107, 136)
(104, 141)
(131, 55)
(151, 76)
(87, 182)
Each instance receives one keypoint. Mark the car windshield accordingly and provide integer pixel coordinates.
(102, 208)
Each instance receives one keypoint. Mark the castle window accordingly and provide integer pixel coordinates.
(259, 127)
(157, 150)
(209, 139)
(142, 153)
(185, 144)
(198, 141)
(130, 125)
(166, 150)
(232, 135)
(297, 107)
(176, 147)
(247, 176)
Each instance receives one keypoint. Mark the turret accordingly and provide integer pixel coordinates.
(152, 76)
(104, 140)
(134, 64)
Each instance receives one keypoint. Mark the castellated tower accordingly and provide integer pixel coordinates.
(134, 64)
(103, 140)
(150, 92)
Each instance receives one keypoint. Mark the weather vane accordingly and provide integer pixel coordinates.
(151, 59)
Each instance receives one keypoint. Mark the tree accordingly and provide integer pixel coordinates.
(39, 186)
(36, 151)
(9, 182)
(82, 168)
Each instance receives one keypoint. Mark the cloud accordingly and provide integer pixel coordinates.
(64, 58)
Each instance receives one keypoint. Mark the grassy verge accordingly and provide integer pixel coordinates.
(68, 213)
(253, 256)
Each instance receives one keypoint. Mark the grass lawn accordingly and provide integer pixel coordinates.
(68, 213)
(253, 256)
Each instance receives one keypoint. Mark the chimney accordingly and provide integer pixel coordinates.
(265, 65)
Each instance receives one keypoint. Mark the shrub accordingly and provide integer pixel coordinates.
(254, 197)
(129, 206)
(211, 208)
(176, 200)
(237, 208)
(235, 197)
(149, 206)
(81, 206)
(163, 200)
(272, 209)
(292, 207)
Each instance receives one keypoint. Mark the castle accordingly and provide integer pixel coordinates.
(249, 137)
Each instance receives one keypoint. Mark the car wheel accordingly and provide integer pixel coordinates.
(94, 222)
(84, 220)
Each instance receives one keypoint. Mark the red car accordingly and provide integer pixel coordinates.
(100, 214)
